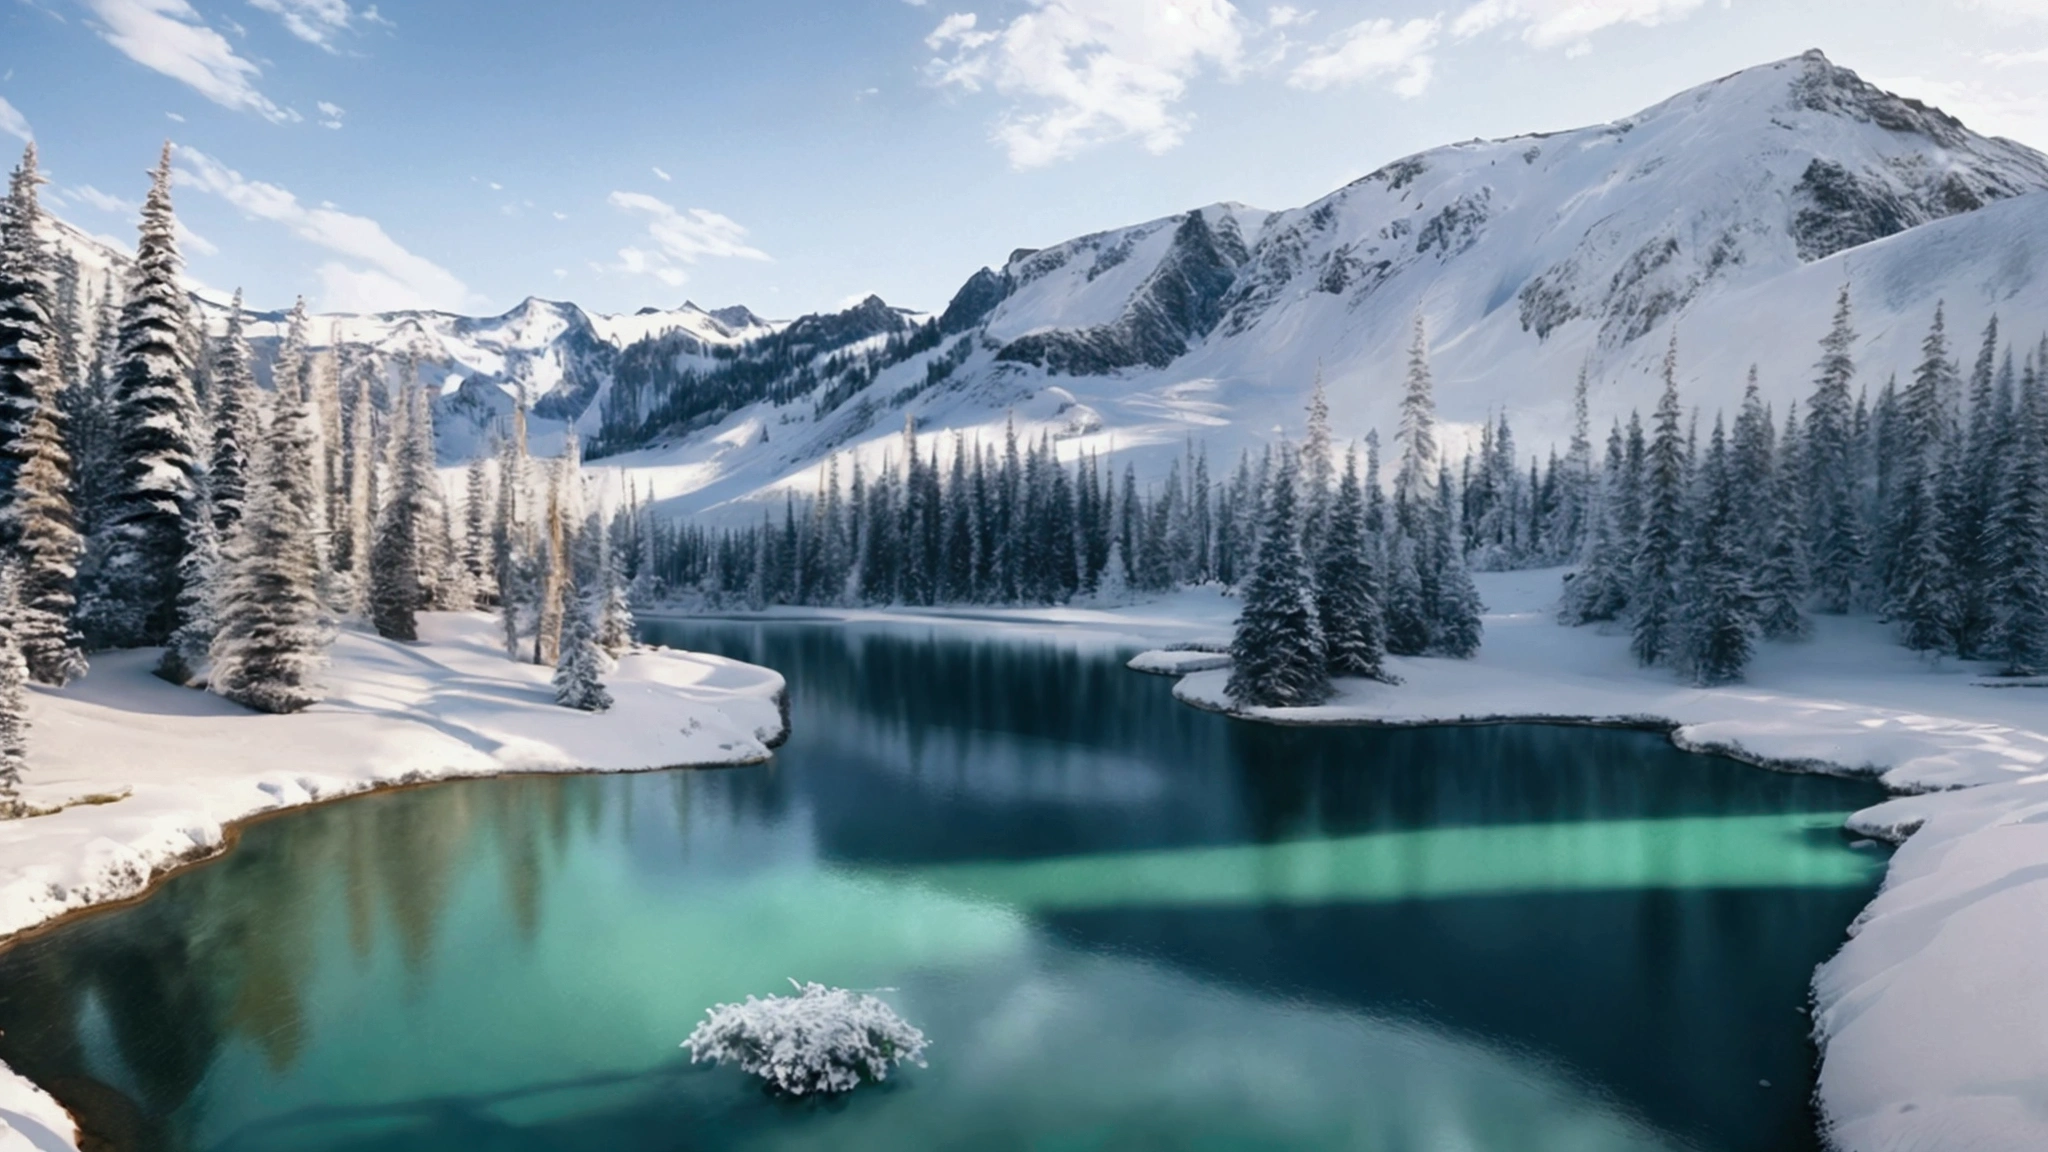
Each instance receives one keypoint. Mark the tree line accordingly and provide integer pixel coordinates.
(153, 495)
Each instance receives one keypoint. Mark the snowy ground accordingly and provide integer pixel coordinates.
(142, 775)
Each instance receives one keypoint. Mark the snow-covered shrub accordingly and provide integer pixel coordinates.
(819, 1040)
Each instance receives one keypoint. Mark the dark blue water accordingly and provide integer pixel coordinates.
(1123, 923)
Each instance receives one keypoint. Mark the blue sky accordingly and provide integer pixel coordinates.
(794, 154)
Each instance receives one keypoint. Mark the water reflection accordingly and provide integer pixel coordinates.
(1125, 923)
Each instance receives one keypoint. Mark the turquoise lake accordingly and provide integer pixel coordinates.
(1123, 923)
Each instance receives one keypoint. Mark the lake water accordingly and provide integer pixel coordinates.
(1123, 923)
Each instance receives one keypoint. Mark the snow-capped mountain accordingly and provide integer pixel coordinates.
(1729, 215)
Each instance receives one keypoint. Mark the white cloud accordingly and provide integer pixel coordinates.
(314, 21)
(175, 118)
(1080, 73)
(1551, 23)
(382, 275)
(192, 241)
(330, 114)
(2008, 59)
(680, 238)
(168, 36)
(1287, 16)
(665, 177)
(1371, 49)
(92, 197)
(13, 122)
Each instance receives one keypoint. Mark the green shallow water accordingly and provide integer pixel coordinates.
(1124, 924)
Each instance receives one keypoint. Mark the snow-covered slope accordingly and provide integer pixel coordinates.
(1729, 214)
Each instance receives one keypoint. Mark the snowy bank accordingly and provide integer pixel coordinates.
(141, 776)
(1933, 1018)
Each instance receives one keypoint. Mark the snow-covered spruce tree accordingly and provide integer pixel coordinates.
(1318, 467)
(1834, 519)
(272, 630)
(2016, 543)
(1599, 588)
(1567, 532)
(186, 654)
(1719, 610)
(439, 566)
(1920, 576)
(1347, 586)
(1976, 493)
(27, 344)
(579, 670)
(1408, 605)
(361, 529)
(13, 701)
(555, 568)
(1277, 654)
(135, 600)
(1659, 545)
(234, 422)
(1455, 608)
(1417, 435)
(394, 552)
(476, 531)
(88, 419)
(510, 539)
(615, 605)
(1781, 577)
(36, 518)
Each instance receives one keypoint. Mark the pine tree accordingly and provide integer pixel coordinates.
(395, 553)
(509, 536)
(1834, 522)
(1417, 435)
(1920, 579)
(36, 518)
(186, 653)
(1347, 591)
(155, 411)
(614, 608)
(476, 527)
(2016, 541)
(579, 672)
(1720, 612)
(27, 343)
(13, 704)
(234, 423)
(272, 634)
(1277, 653)
(1654, 596)
(362, 480)
(1570, 524)
(1408, 607)
(1781, 583)
(1454, 605)
(1598, 590)
(1318, 467)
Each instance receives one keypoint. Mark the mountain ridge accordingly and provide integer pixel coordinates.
(1527, 259)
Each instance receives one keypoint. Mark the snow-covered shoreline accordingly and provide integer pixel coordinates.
(451, 706)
